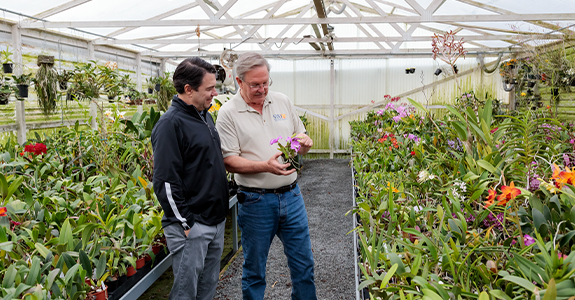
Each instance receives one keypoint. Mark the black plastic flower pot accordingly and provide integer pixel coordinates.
(63, 85)
(22, 90)
(150, 90)
(8, 68)
(555, 92)
(4, 98)
(531, 84)
(157, 87)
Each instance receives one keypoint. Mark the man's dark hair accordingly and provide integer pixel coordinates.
(191, 71)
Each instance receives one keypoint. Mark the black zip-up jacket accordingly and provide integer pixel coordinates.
(189, 174)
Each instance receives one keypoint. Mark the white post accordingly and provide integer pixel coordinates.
(163, 66)
(20, 105)
(94, 115)
(139, 79)
(91, 51)
(331, 109)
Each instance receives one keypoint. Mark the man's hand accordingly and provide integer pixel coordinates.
(306, 143)
(275, 167)
(187, 232)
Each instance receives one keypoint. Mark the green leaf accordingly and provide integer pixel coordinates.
(483, 296)
(66, 237)
(42, 250)
(101, 266)
(431, 294)
(34, 272)
(51, 277)
(388, 276)
(365, 283)
(551, 292)
(71, 272)
(417, 105)
(521, 282)
(499, 294)
(461, 130)
(486, 165)
(538, 219)
(86, 263)
(9, 277)
(394, 259)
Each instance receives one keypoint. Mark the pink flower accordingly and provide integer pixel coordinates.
(294, 143)
(528, 240)
(275, 140)
(560, 255)
(572, 141)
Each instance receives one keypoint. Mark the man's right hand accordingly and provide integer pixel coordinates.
(275, 167)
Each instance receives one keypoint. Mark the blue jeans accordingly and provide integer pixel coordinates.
(261, 217)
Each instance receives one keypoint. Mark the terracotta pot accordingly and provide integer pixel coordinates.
(130, 271)
(147, 258)
(140, 263)
(101, 295)
(156, 249)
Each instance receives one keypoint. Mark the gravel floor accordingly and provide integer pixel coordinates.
(326, 188)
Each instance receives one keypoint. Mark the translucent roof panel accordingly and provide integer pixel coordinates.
(170, 28)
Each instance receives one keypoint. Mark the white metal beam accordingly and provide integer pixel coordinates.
(316, 20)
(418, 8)
(382, 52)
(302, 12)
(206, 9)
(360, 27)
(158, 17)
(225, 8)
(406, 38)
(60, 8)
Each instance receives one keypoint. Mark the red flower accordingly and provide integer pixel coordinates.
(3, 211)
(412, 153)
(35, 149)
(494, 129)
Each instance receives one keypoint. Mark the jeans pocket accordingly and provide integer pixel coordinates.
(251, 198)
(296, 192)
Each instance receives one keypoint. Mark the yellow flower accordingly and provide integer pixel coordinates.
(215, 107)
(523, 94)
(392, 188)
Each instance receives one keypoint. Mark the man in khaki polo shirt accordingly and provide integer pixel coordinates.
(270, 199)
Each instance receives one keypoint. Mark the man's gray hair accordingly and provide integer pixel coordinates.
(249, 61)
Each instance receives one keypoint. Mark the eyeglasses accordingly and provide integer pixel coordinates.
(259, 86)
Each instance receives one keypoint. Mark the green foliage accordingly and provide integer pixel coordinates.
(426, 230)
(46, 85)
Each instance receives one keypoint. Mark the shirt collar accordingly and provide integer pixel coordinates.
(243, 106)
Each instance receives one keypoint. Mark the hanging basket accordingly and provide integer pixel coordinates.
(45, 59)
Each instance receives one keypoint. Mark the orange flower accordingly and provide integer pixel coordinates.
(490, 198)
(3, 211)
(508, 193)
(566, 177)
(556, 171)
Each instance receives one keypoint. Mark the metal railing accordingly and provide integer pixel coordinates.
(139, 288)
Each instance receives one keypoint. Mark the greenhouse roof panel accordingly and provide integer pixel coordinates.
(171, 28)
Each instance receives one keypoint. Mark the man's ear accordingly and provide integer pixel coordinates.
(188, 89)
(239, 80)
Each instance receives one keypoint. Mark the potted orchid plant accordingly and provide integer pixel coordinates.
(289, 150)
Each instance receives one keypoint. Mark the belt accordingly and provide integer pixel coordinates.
(279, 190)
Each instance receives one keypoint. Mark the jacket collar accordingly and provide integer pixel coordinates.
(180, 104)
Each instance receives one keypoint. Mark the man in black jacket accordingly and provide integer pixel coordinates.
(190, 182)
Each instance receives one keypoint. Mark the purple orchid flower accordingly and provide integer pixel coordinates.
(275, 140)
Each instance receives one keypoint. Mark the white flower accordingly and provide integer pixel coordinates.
(121, 114)
(108, 113)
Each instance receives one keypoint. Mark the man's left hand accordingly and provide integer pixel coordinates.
(305, 142)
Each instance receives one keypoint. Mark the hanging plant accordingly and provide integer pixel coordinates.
(46, 84)
(166, 92)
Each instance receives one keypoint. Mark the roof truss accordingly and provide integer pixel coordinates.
(369, 19)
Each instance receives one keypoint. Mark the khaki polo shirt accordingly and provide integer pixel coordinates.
(245, 132)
